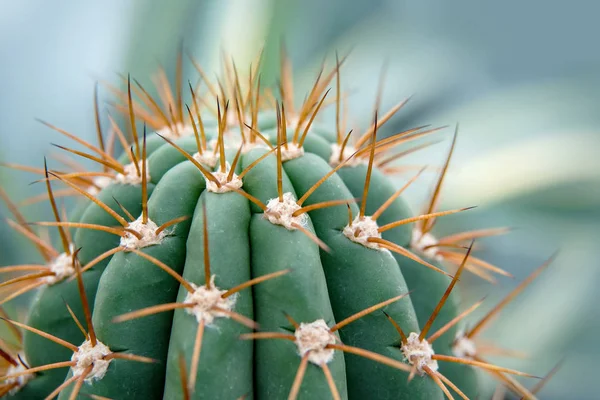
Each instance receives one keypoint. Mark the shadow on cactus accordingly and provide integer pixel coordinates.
(244, 251)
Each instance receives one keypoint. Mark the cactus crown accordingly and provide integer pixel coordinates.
(245, 250)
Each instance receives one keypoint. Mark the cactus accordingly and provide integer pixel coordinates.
(255, 253)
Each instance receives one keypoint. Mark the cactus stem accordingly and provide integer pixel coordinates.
(418, 351)
(205, 302)
(89, 360)
(314, 339)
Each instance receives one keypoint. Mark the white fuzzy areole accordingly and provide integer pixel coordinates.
(463, 346)
(234, 183)
(19, 380)
(99, 183)
(361, 230)
(148, 231)
(88, 355)
(207, 158)
(280, 212)
(177, 131)
(131, 177)
(418, 353)
(420, 241)
(313, 338)
(291, 151)
(205, 299)
(62, 267)
(334, 159)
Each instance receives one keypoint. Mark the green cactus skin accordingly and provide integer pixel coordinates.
(130, 283)
(351, 282)
(330, 278)
(322, 285)
(228, 221)
(302, 293)
(48, 312)
(426, 286)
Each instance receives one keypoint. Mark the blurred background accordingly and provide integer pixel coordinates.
(522, 78)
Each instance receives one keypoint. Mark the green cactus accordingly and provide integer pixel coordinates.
(252, 254)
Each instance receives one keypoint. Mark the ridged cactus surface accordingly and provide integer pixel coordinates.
(253, 253)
